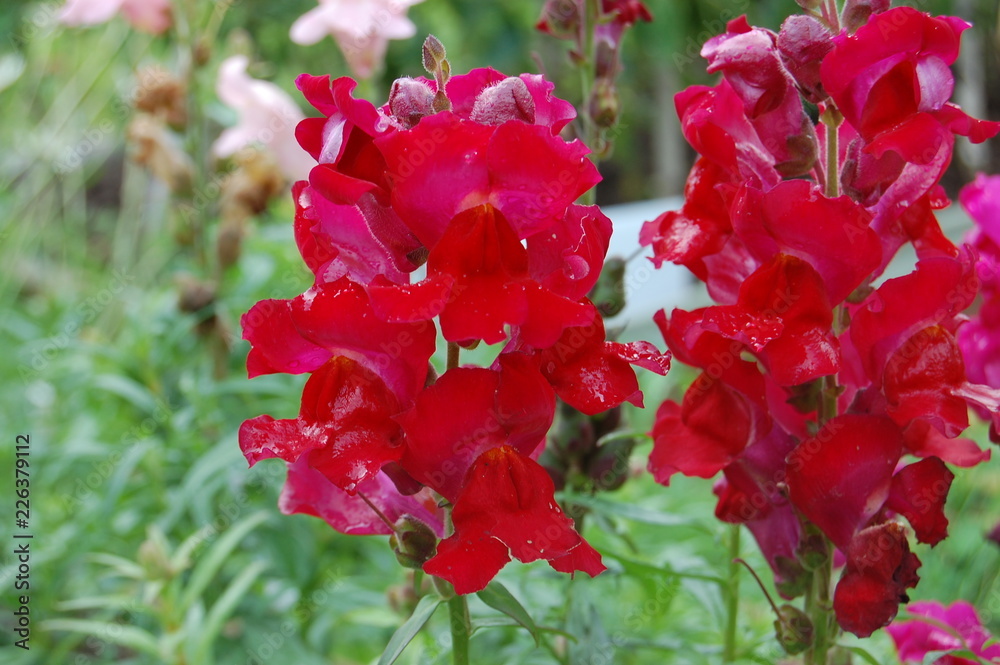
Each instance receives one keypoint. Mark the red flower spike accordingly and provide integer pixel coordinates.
(593, 375)
(477, 280)
(308, 492)
(841, 478)
(880, 568)
(920, 381)
(692, 439)
(783, 314)
(344, 429)
(918, 493)
(506, 509)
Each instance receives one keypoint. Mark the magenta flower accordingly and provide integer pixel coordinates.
(152, 16)
(979, 339)
(362, 29)
(267, 118)
(953, 628)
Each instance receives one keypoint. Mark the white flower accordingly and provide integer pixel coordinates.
(152, 16)
(362, 29)
(267, 118)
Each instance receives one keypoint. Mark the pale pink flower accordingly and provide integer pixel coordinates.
(362, 29)
(267, 119)
(153, 16)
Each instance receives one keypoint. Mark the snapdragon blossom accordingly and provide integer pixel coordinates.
(468, 178)
(845, 394)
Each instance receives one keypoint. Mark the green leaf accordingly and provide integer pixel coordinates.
(507, 622)
(209, 566)
(862, 654)
(499, 598)
(221, 610)
(630, 511)
(405, 633)
(127, 636)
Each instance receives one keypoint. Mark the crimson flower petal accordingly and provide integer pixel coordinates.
(783, 314)
(344, 427)
(507, 499)
(692, 439)
(309, 492)
(880, 568)
(840, 478)
(918, 493)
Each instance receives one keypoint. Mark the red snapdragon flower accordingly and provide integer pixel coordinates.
(828, 379)
(473, 181)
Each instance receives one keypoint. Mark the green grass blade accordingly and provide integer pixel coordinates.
(126, 636)
(209, 566)
(405, 634)
(222, 609)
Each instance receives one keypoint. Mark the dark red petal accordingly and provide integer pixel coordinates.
(935, 292)
(507, 498)
(921, 378)
(567, 258)
(344, 426)
(841, 478)
(437, 169)
(339, 316)
(693, 438)
(837, 242)
(587, 373)
(468, 562)
(880, 568)
(442, 440)
(918, 493)
(276, 345)
(784, 315)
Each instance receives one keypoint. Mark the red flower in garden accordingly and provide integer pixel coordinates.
(467, 175)
(935, 627)
(828, 376)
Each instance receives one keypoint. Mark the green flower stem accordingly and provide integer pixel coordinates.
(820, 610)
(461, 628)
(732, 595)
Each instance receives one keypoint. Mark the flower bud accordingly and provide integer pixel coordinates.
(857, 12)
(608, 468)
(794, 629)
(413, 542)
(608, 295)
(434, 55)
(790, 579)
(506, 100)
(560, 18)
(604, 106)
(410, 100)
(803, 42)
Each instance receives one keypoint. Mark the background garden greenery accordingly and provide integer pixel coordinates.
(153, 542)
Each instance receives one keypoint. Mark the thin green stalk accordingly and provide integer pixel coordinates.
(461, 627)
(819, 608)
(733, 595)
